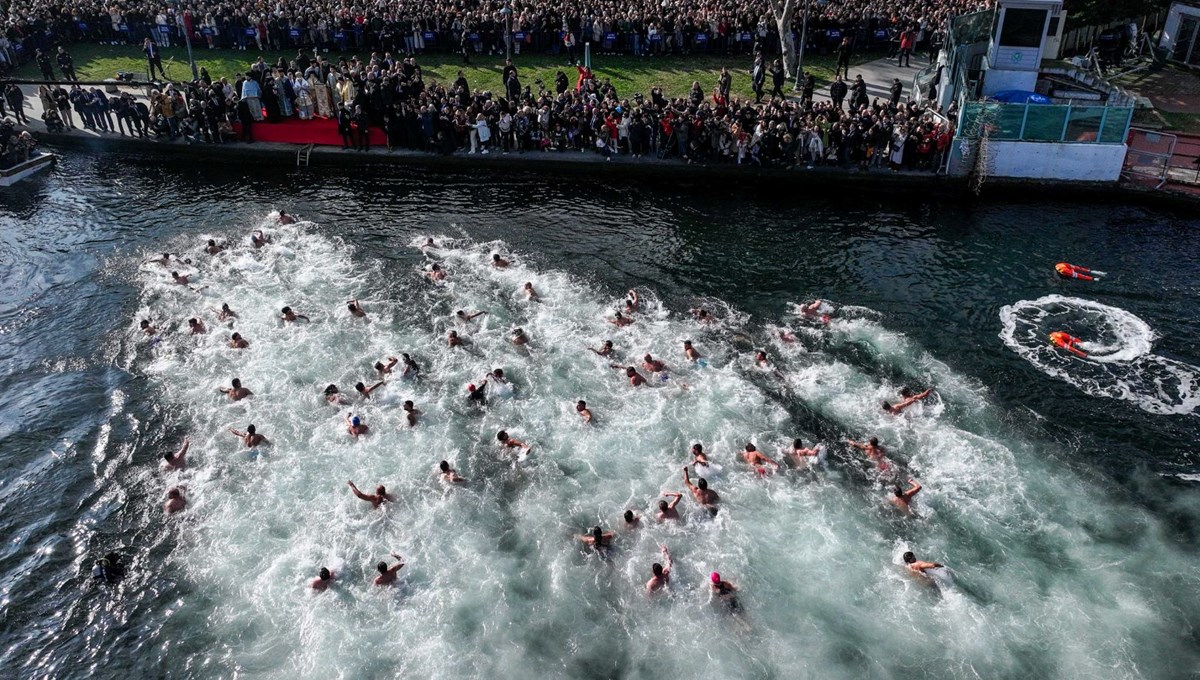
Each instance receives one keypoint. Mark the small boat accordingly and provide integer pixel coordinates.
(15, 173)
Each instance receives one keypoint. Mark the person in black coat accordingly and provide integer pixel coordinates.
(246, 118)
(345, 127)
(837, 92)
(777, 78)
(66, 64)
(44, 63)
(362, 127)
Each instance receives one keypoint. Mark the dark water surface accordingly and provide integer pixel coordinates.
(80, 423)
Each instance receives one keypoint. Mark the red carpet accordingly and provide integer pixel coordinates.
(296, 131)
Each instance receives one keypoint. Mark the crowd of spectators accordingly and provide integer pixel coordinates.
(642, 27)
(577, 113)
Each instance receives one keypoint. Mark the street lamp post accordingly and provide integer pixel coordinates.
(508, 37)
(803, 38)
(187, 38)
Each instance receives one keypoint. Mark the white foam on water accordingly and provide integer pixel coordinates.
(1120, 363)
(496, 583)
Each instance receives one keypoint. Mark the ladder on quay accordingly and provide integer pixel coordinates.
(302, 155)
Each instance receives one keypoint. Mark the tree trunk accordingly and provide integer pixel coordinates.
(784, 10)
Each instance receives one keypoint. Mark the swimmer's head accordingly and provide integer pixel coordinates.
(193, 321)
(697, 448)
(408, 405)
(898, 491)
(381, 567)
(597, 535)
(471, 387)
(168, 456)
(909, 558)
(647, 358)
(355, 421)
(495, 257)
(359, 386)
(380, 490)
(760, 355)
(379, 366)
(580, 405)
(631, 371)
(324, 574)
(145, 323)
(608, 344)
(750, 447)
(874, 441)
(905, 392)
(501, 436)
(435, 267)
(236, 382)
(702, 483)
(687, 344)
(460, 313)
(225, 307)
(250, 429)
(715, 578)
(454, 334)
(212, 243)
(444, 466)
(174, 275)
(888, 407)
(528, 285)
(662, 505)
(331, 389)
(174, 493)
(797, 444)
(236, 336)
(657, 569)
(499, 372)
(351, 306)
(286, 310)
(629, 516)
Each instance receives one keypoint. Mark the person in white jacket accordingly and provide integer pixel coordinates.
(481, 135)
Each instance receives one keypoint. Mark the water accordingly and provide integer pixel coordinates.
(1061, 494)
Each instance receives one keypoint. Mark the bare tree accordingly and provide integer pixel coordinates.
(784, 10)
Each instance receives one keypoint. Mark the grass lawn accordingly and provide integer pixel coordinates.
(628, 74)
(1181, 122)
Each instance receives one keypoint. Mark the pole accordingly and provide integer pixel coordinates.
(508, 36)
(800, 52)
(187, 34)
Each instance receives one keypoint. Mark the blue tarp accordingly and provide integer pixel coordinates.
(1019, 97)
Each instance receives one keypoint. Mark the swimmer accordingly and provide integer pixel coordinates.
(355, 308)
(225, 313)
(584, 412)
(512, 442)
(386, 369)
(323, 579)
(909, 400)
(411, 413)
(436, 273)
(477, 395)
(724, 590)
(598, 539)
(530, 293)
(147, 328)
(497, 375)
(1071, 271)
(164, 261)
(376, 499)
(250, 438)
(387, 575)
(702, 315)
(653, 365)
(635, 378)
(499, 262)
(177, 460)
(289, 315)
(333, 396)
(449, 474)
(109, 568)
(701, 493)
(519, 338)
(690, 352)
(606, 350)
(787, 337)
(632, 301)
(873, 449)
(179, 278)
(801, 455)
(761, 360)
(365, 391)
(236, 341)
(756, 458)
(411, 369)
(355, 426)
(235, 391)
(258, 239)
(196, 326)
(213, 248)
(464, 317)
(661, 573)
(1067, 342)
(285, 218)
(453, 340)
(918, 567)
(176, 501)
(632, 521)
(698, 456)
(902, 498)
(666, 510)
(811, 310)
(429, 244)
(620, 321)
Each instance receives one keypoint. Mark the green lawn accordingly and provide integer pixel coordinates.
(628, 74)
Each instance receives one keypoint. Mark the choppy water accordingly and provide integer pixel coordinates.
(1062, 494)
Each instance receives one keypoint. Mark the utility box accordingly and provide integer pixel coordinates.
(1017, 44)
